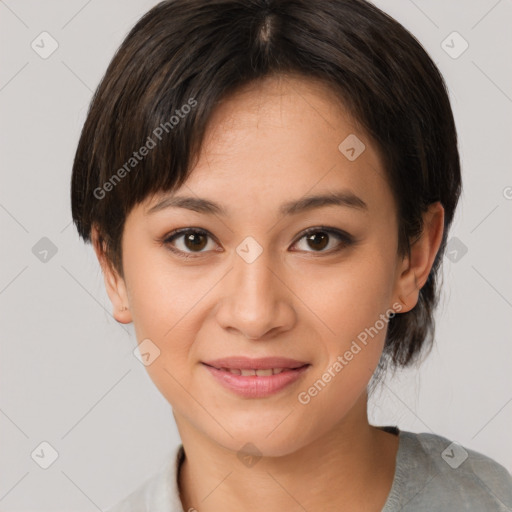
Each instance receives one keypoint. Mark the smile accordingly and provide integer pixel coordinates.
(259, 373)
(256, 383)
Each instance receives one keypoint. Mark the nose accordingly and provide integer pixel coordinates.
(256, 300)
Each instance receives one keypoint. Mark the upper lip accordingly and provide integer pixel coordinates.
(247, 363)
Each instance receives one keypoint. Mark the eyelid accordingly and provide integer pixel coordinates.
(345, 238)
(169, 237)
(327, 229)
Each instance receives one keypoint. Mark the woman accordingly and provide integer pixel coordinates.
(268, 187)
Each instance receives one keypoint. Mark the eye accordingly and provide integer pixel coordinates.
(319, 238)
(192, 241)
(187, 241)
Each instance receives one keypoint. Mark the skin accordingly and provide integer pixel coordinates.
(273, 142)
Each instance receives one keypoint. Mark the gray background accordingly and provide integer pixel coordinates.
(67, 372)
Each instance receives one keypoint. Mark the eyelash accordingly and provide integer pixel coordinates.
(346, 240)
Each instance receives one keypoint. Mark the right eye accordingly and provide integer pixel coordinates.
(191, 240)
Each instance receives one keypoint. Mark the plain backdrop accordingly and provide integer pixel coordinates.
(68, 376)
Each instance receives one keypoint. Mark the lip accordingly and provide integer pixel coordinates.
(253, 386)
(248, 363)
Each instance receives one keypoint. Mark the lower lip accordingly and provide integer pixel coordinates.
(252, 386)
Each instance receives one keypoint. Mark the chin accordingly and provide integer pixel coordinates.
(275, 441)
(262, 446)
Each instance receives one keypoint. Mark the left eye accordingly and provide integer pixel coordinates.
(319, 238)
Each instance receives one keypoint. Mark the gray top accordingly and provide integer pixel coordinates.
(432, 474)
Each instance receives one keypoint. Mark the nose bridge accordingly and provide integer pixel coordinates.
(255, 303)
(254, 279)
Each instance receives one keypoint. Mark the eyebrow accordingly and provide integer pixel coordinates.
(343, 198)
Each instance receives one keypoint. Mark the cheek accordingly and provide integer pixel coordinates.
(353, 297)
(158, 298)
(159, 293)
(355, 304)
(162, 311)
(350, 305)
(168, 307)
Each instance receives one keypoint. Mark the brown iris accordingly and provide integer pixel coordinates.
(320, 239)
(195, 241)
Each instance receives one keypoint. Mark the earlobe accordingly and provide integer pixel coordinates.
(416, 268)
(409, 290)
(114, 284)
(123, 316)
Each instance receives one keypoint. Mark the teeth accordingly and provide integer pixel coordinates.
(260, 373)
(236, 371)
(264, 373)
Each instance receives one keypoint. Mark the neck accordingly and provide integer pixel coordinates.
(334, 469)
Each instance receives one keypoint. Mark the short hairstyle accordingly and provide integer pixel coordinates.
(184, 56)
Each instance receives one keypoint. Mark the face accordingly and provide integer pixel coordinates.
(268, 273)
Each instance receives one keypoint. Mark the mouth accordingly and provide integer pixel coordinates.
(258, 382)
(257, 372)
(263, 366)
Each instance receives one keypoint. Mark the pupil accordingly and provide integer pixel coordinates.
(317, 240)
(318, 237)
(194, 240)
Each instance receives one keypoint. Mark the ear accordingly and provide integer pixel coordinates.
(114, 283)
(414, 270)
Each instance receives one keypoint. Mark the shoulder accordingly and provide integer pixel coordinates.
(437, 474)
(158, 493)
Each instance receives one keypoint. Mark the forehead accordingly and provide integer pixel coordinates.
(281, 138)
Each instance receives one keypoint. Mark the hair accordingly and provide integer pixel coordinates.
(183, 57)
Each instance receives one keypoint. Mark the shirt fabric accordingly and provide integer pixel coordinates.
(432, 474)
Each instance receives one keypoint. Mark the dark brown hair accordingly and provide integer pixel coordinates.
(184, 56)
